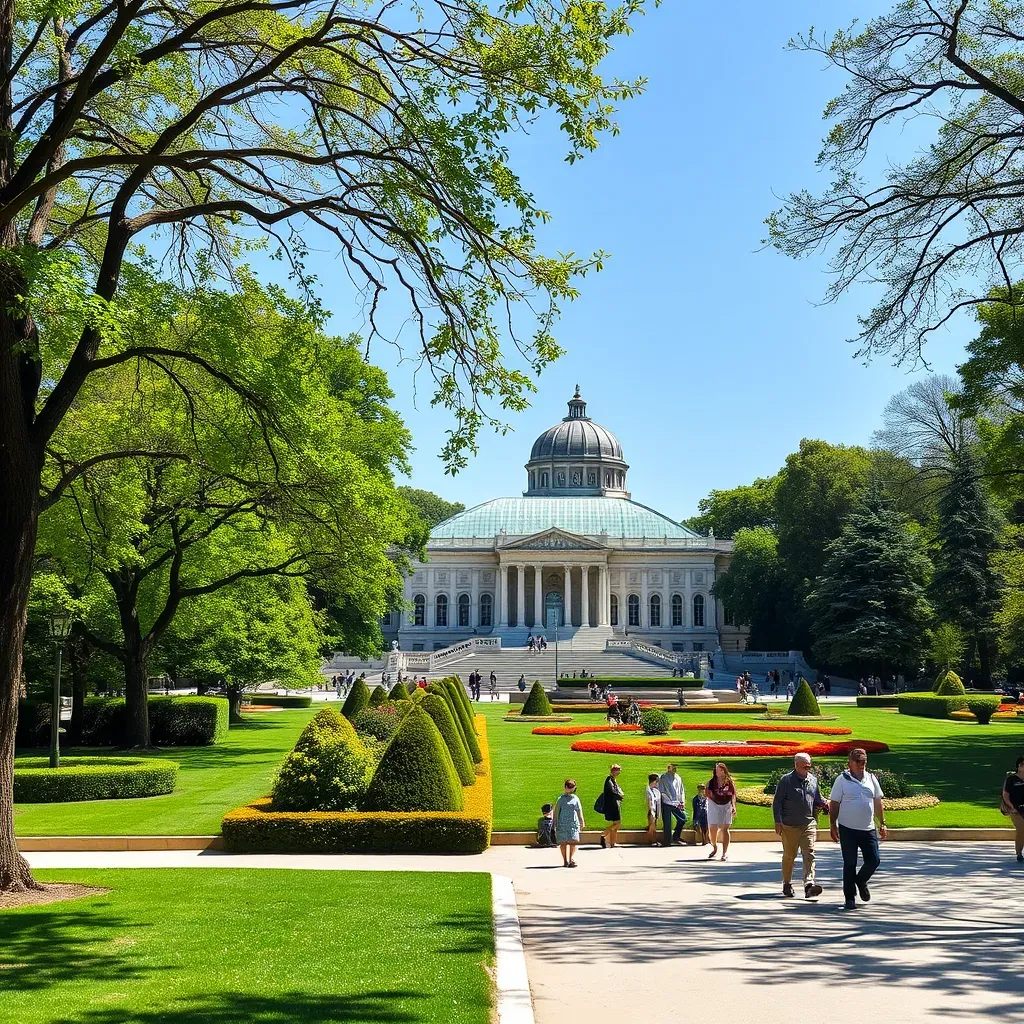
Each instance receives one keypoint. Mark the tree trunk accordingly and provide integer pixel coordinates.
(136, 696)
(77, 662)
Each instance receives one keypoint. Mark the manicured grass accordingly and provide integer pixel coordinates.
(229, 946)
(211, 782)
(964, 764)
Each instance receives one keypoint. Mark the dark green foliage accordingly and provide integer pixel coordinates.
(966, 589)
(399, 692)
(357, 699)
(33, 724)
(804, 702)
(91, 778)
(929, 705)
(869, 605)
(893, 784)
(537, 702)
(380, 721)
(982, 706)
(273, 700)
(457, 692)
(416, 772)
(441, 713)
(876, 702)
(654, 722)
(329, 773)
(378, 696)
(173, 721)
(430, 507)
(949, 684)
(655, 682)
(464, 719)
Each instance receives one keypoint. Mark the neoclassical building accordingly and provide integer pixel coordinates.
(573, 549)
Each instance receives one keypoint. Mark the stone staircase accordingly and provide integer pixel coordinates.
(570, 638)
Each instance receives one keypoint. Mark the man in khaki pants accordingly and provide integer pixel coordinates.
(796, 806)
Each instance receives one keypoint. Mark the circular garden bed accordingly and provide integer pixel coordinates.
(91, 778)
(758, 797)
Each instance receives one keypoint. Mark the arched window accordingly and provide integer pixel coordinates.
(464, 610)
(633, 604)
(615, 609)
(385, 621)
(677, 610)
(419, 607)
(698, 609)
(486, 609)
(591, 479)
(543, 479)
(654, 618)
(441, 610)
(532, 484)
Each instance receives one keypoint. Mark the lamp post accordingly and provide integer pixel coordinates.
(59, 626)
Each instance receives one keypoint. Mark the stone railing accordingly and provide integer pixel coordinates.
(695, 660)
(433, 661)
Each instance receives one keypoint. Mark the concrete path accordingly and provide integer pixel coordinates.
(661, 936)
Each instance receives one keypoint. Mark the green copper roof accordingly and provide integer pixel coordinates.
(522, 517)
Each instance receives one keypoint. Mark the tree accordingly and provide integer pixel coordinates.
(869, 607)
(130, 122)
(966, 587)
(432, 508)
(1009, 563)
(947, 648)
(744, 507)
(942, 226)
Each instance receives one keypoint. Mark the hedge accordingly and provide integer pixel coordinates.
(660, 683)
(877, 702)
(454, 686)
(327, 719)
(804, 702)
(982, 706)
(894, 784)
(537, 702)
(357, 699)
(173, 721)
(438, 709)
(949, 684)
(929, 705)
(654, 722)
(257, 829)
(273, 700)
(329, 773)
(91, 778)
(378, 696)
(465, 720)
(380, 721)
(399, 692)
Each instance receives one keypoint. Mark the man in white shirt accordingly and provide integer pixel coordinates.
(673, 806)
(853, 805)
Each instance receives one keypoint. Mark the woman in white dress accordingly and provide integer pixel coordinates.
(721, 791)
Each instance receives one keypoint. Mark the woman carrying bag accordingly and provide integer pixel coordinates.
(609, 803)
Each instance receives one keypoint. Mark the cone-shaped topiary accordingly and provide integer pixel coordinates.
(357, 699)
(465, 721)
(463, 694)
(378, 696)
(457, 693)
(327, 720)
(537, 703)
(398, 692)
(441, 713)
(416, 772)
(804, 702)
(417, 695)
(949, 684)
(438, 690)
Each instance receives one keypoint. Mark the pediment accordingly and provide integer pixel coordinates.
(553, 539)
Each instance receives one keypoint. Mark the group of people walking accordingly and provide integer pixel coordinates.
(855, 807)
(476, 682)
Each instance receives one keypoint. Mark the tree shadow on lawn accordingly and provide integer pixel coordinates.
(942, 920)
(475, 930)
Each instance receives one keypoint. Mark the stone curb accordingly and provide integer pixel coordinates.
(637, 837)
(116, 844)
(514, 1003)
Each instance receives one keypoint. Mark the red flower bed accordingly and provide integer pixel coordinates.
(822, 730)
(577, 730)
(765, 748)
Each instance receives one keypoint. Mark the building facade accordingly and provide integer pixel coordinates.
(574, 551)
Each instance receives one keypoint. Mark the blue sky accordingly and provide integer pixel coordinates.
(707, 355)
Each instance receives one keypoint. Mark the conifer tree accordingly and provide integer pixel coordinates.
(869, 606)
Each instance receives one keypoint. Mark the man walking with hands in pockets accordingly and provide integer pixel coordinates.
(853, 805)
(796, 807)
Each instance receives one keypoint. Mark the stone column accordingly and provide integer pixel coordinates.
(538, 597)
(474, 598)
(645, 610)
(604, 602)
(503, 595)
(520, 596)
(666, 598)
(430, 611)
(568, 595)
(585, 595)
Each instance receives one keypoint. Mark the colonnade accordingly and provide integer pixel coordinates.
(573, 611)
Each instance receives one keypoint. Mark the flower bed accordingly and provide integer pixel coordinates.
(823, 730)
(578, 730)
(763, 748)
(515, 717)
(755, 795)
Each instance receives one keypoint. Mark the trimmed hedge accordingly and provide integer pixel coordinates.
(982, 706)
(380, 722)
(438, 709)
(929, 705)
(330, 773)
(357, 699)
(454, 686)
(273, 700)
(537, 702)
(877, 702)
(949, 684)
(894, 784)
(416, 772)
(656, 682)
(417, 695)
(399, 692)
(327, 719)
(257, 829)
(173, 721)
(654, 722)
(378, 696)
(465, 720)
(804, 702)
(91, 778)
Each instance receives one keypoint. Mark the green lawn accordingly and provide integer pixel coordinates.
(211, 781)
(962, 763)
(229, 946)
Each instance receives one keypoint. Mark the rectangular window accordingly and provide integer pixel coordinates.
(698, 647)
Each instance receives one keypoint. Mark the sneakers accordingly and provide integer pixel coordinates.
(865, 892)
(811, 890)
(850, 905)
(787, 890)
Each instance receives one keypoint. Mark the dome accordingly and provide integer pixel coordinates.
(577, 437)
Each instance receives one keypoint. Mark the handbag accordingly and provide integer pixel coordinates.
(599, 803)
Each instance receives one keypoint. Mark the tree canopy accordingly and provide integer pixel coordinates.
(432, 508)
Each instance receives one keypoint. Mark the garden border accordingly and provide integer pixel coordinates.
(513, 1000)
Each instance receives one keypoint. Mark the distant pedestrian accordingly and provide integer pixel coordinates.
(611, 800)
(1013, 805)
(721, 792)
(673, 806)
(653, 795)
(522, 683)
(789, 691)
(700, 815)
(854, 803)
(494, 687)
(569, 823)
(795, 808)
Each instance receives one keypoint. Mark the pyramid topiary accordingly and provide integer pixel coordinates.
(949, 684)
(454, 686)
(465, 721)
(378, 696)
(327, 720)
(398, 692)
(537, 702)
(357, 699)
(416, 772)
(417, 695)
(804, 702)
(443, 718)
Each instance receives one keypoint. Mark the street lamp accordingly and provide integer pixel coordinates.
(58, 628)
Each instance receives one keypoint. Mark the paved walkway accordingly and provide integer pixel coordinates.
(658, 936)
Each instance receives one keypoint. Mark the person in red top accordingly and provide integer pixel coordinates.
(721, 792)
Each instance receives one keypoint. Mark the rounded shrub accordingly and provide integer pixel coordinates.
(443, 718)
(416, 772)
(894, 784)
(380, 721)
(91, 778)
(399, 692)
(928, 705)
(537, 702)
(949, 684)
(327, 720)
(378, 696)
(329, 774)
(357, 699)
(983, 707)
(654, 722)
(804, 702)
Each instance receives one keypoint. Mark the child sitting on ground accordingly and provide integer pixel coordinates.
(700, 816)
(546, 827)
